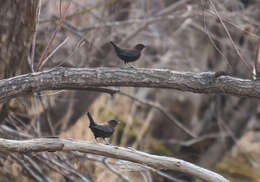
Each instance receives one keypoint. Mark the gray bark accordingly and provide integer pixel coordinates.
(83, 78)
(158, 162)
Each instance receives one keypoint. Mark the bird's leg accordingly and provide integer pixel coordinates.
(130, 65)
(95, 140)
(122, 65)
(107, 142)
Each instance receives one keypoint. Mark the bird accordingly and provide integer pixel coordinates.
(128, 55)
(102, 131)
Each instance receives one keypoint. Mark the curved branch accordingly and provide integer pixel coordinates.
(84, 78)
(158, 162)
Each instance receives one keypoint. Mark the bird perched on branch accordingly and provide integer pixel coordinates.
(102, 131)
(128, 55)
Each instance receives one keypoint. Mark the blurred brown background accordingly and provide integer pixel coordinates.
(181, 35)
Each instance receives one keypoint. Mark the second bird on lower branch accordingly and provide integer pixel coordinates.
(102, 131)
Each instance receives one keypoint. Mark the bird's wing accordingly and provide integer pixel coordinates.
(128, 53)
(105, 128)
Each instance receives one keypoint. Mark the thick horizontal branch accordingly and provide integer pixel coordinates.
(84, 78)
(158, 162)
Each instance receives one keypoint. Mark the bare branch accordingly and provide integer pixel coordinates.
(53, 52)
(158, 162)
(118, 173)
(46, 50)
(85, 78)
(38, 12)
(230, 38)
(27, 168)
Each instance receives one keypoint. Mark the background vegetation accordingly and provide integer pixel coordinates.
(181, 35)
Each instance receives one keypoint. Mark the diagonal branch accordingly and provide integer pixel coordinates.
(84, 78)
(158, 162)
(163, 111)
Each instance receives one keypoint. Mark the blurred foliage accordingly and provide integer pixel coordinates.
(180, 35)
(240, 169)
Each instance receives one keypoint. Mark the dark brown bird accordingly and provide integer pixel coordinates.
(128, 55)
(102, 131)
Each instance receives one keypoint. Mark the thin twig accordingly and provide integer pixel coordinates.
(60, 8)
(84, 11)
(211, 38)
(165, 175)
(14, 133)
(37, 168)
(162, 12)
(163, 111)
(230, 38)
(29, 170)
(46, 111)
(46, 50)
(111, 168)
(67, 166)
(194, 140)
(38, 11)
(53, 166)
(61, 165)
(53, 52)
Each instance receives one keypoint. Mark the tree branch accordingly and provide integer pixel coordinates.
(158, 162)
(84, 78)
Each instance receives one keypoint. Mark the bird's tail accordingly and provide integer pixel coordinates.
(92, 122)
(114, 45)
